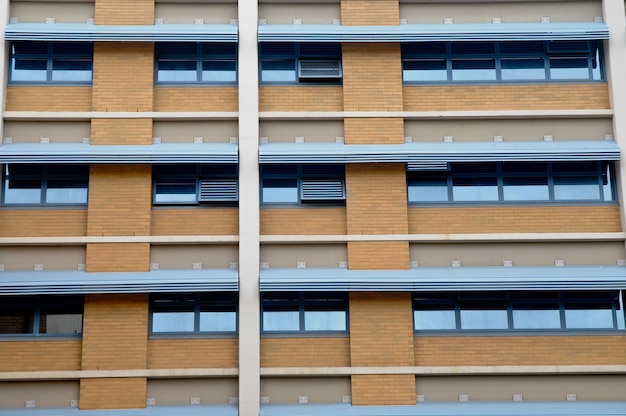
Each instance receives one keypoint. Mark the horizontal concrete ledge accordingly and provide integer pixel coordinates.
(156, 240)
(434, 115)
(149, 373)
(88, 115)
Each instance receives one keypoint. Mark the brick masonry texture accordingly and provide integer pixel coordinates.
(373, 390)
(118, 257)
(520, 350)
(113, 393)
(109, 131)
(193, 353)
(378, 255)
(120, 200)
(373, 130)
(507, 97)
(305, 352)
(303, 221)
(40, 355)
(195, 221)
(123, 76)
(115, 332)
(48, 98)
(370, 12)
(124, 12)
(196, 99)
(519, 219)
(301, 98)
(43, 223)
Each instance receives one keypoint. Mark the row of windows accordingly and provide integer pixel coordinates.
(491, 182)
(311, 312)
(281, 62)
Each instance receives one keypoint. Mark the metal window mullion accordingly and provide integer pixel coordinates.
(449, 60)
(546, 61)
(198, 58)
(561, 301)
(551, 196)
(301, 310)
(498, 61)
(500, 181)
(36, 315)
(196, 316)
(457, 314)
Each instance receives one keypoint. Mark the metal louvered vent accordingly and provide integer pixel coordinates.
(437, 166)
(319, 69)
(322, 189)
(218, 190)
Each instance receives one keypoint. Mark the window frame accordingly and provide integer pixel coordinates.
(37, 305)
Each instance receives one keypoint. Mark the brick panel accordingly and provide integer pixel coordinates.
(380, 390)
(193, 353)
(200, 221)
(305, 352)
(381, 329)
(373, 130)
(520, 219)
(43, 223)
(124, 12)
(109, 131)
(301, 221)
(120, 199)
(123, 76)
(301, 98)
(40, 355)
(378, 255)
(113, 393)
(507, 97)
(520, 350)
(118, 257)
(48, 98)
(115, 332)
(372, 77)
(370, 12)
(196, 99)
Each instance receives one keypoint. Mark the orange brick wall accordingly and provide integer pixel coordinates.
(370, 12)
(378, 255)
(40, 355)
(115, 332)
(311, 221)
(520, 350)
(193, 353)
(48, 98)
(113, 393)
(43, 223)
(373, 130)
(196, 99)
(123, 76)
(372, 77)
(305, 352)
(195, 221)
(123, 12)
(379, 390)
(507, 97)
(118, 257)
(301, 98)
(121, 131)
(120, 200)
(520, 219)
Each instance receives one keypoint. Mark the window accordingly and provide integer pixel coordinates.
(41, 315)
(511, 182)
(51, 62)
(302, 184)
(45, 184)
(518, 311)
(513, 61)
(196, 63)
(300, 62)
(304, 312)
(195, 184)
(189, 313)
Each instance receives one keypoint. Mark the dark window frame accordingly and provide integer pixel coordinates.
(38, 305)
(205, 52)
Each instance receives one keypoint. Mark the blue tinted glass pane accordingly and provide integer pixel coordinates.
(607, 184)
(280, 190)
(474, 189)
(588, 318)
(22, 191)
(66, 191)
(596, 71)
(177, 71)
(219, 71)
(537, 317)
(172, 322)
(31, 48)
(28, 69)
(433, 320)
(428, 190)
(523, 47)
(71, 70)
(278, 71)
(425, 70)
(577, 188)
(175, 191)
(523, 69)
(569, 68)
(484, 319)
(72, 48)
(325, 320)
(473, 69)
(525, 189)
(281, 321)
(218, 321)
(472, 48)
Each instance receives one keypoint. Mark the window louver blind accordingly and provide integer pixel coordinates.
(218, 190)
(322, 189)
